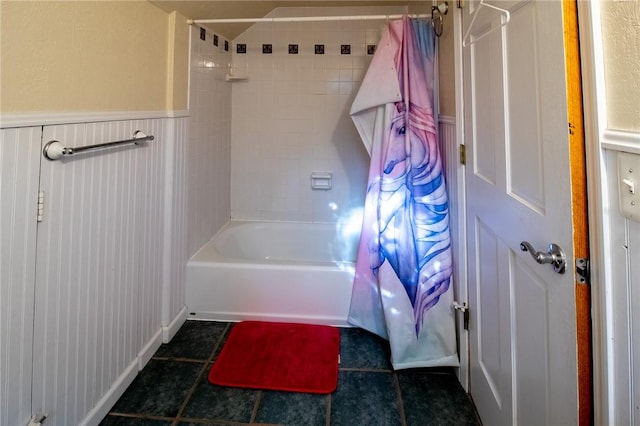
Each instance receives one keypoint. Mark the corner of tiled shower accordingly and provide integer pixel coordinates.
(260, 139)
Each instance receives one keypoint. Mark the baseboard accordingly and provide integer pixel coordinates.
(168, 331)
(149, 349)
(101, 409)
(55, 118)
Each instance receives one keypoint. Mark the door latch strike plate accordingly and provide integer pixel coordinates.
(464, 308)
(583, 270)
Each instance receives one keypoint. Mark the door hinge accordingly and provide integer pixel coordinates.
(40, 206)
(463, 154)
(464, 308)
(37, 419)
(583, 270)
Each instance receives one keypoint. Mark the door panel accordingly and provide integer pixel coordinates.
(531, 343)
(522, 331)
(489, 320)
(19, 169)
(490, 324)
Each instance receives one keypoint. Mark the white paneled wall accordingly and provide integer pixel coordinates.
(625, 300)
(175, 213)
(103, 282)
(292, 116)
(19, 164)
(209, 148)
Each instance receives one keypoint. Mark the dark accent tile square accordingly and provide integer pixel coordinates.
(293, 49)
(267, 49)
(241, 48)
(361, 349)
(194, 340)
(345, 49)
(371, 49)
(220, 403)
(203, 34)
(159, 389)
(132, 421)
(226, 46)
(288, 408)
(435, 399)
(215, 39)
(364, 399)
(319, 49)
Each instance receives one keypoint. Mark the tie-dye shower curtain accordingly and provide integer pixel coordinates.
(402, 289)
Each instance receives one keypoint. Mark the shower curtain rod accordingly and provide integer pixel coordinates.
(303, 19)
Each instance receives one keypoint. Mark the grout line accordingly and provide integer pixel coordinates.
(215, 422)
(190, 393)
(201, 375)
(396, 384)
(192, 360)
(219, 342)
(139, 416)
(254, 412)
(328, 411)
(367, 370)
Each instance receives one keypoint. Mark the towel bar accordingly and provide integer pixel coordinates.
(55, 150)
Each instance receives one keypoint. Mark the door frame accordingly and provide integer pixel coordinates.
(462, 292)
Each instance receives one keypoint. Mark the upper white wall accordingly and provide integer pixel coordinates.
(292, 117)
(621, 43)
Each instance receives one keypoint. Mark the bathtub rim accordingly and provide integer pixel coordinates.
(213, 255)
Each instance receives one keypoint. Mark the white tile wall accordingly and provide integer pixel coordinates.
(209, 147)
(292, 117)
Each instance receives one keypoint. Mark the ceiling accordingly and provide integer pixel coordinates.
(212, 9)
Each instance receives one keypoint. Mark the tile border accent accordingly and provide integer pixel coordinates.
(319, 49)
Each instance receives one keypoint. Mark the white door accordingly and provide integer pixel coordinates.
(522, 330)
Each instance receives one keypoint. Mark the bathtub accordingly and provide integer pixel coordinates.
(274, 271)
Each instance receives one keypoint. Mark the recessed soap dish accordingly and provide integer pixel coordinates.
(321, 180)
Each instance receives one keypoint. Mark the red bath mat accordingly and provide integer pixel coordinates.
(279, 356)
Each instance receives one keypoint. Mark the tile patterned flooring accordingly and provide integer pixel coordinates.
(173, 390)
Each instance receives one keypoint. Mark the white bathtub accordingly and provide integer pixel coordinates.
(274, 271)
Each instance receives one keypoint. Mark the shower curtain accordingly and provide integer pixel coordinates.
(402, 289)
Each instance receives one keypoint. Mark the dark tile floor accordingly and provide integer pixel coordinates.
(173, 390)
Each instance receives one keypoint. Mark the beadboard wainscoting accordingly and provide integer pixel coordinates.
(623, 297)
(91, 291)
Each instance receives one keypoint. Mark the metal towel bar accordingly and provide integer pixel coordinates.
(55, 150)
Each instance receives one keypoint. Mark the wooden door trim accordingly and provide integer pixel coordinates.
(579, 208)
